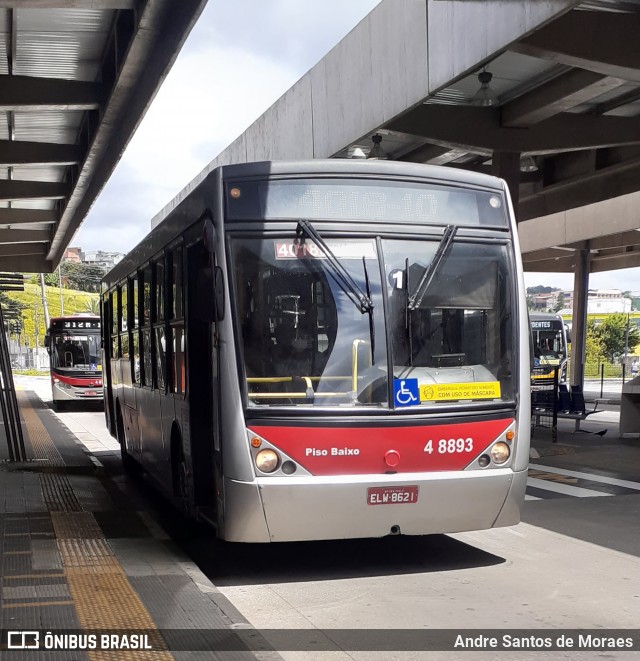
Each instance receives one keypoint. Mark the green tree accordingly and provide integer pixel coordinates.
(92, 306)
(635, 300)
(51, 279)
(594, 348)
(612, 335)
(540, 289)
(560, 303)
(83, 277)
(12, 313)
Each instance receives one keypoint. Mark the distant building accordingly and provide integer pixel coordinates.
(605, 301)
(608, 301)
(102, 258)
(549, 302)
(72, 255)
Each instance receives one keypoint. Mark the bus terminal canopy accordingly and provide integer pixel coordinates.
(76, 77)
(558, 116)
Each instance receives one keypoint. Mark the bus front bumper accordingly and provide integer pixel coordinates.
(311, 508)
(75, 394)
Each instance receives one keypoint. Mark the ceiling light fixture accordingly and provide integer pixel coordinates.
(528, 164)
(377, 153)
(485, 96)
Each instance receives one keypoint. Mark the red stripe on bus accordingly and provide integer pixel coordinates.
(363, 450)
(90, 381)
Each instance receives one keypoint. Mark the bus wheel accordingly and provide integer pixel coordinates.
(181, 479)
(180, 475)
(130, 465)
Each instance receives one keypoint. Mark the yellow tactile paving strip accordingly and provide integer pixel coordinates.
(41, 443)
(58, 493)
(101, 592)
(102, 595)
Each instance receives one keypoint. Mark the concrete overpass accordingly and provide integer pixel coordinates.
(76, 77)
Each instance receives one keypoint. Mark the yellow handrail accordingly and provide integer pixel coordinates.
(269, 379)
(292, 395)
(354, 364)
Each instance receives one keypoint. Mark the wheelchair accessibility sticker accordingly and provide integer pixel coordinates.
(406, 392)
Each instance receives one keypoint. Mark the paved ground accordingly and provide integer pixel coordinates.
(572, 564)
(80, 557)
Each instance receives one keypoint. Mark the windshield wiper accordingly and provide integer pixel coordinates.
(372, 328)
(348, 285)
(415, 298)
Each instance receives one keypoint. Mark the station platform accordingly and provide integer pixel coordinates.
(86, 550)
(595, 446)
(79, 557)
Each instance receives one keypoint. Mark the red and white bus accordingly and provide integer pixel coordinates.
(75, 359)
(326, 349)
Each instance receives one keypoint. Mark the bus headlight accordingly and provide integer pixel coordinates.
(500, 452)
(267, 461)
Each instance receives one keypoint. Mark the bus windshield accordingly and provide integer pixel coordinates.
(71, 352)
(305, 343)
(549, 342)
(549, 346)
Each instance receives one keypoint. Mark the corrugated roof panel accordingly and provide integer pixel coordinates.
(59, 55)
(24, 226)
(65, 20)
(38, 173)
(4, 126)
(48, 126)
(4, 64)
(34, 204)
(610, 5)
(611, 95)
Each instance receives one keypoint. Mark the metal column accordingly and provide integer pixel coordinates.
(579, 326)
(8, 400)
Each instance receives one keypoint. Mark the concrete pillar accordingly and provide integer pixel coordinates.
(506, 165)
(579, 325)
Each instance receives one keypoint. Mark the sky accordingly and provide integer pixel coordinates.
(240, 57)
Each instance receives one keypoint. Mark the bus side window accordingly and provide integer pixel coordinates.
(113, 309)
(177, 377)
(145, 316)
(123, 316)
(158, 308)
(134, 316)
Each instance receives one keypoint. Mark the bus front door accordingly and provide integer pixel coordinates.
(202, 382)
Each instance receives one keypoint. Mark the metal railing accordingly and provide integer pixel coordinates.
(605, 380)
(8, 402)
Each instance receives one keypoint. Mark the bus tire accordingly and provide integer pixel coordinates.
(130, 465)
(179, 472)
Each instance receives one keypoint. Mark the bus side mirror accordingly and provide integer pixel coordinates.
(47, 343)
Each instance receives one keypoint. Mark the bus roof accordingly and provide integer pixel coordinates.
(196, 197)
(347, 166)
(76, 316)
(544, 316)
